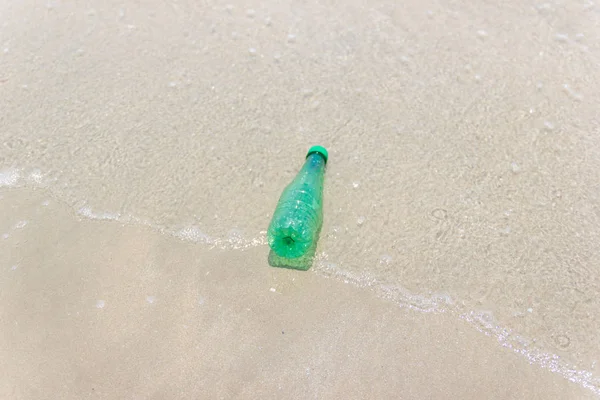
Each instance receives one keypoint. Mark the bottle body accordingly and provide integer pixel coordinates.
(297, 219)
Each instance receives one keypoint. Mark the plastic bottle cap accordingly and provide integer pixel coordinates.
(319, 149)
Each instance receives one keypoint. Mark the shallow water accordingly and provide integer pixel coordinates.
(464, 149)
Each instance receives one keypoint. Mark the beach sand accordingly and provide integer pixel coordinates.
(100, 310)
(144, 147)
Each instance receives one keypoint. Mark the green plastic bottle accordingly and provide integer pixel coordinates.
(296, 223)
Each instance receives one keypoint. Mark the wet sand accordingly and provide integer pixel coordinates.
(143, 150)
(93, 309)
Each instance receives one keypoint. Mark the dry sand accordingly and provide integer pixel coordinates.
(143, 149)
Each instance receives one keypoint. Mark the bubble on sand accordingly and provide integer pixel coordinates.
(571, 92)
(515, 168)
(561, 37)
(9, 177)
(88, 213)
(100, 303)
(385, 259)
(36, 176)
(20, 224)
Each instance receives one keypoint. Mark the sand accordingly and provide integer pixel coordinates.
(144, 149)
(94, 309)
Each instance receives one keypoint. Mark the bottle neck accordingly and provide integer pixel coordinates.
(315, 161)
(312, 172)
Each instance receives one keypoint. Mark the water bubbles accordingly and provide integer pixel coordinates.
(150, 299)
(100, 303)
(355, 184)
(482, 34)
(549, 126)
(173, 84)
(36, 176)
(234, 235)
(571, 92)
(307, 92)
(14, 267)
(20, 225)
(9, 177)
(252, 51)
(561, 37)
(360, 221)
(6, 50)
(515, 168)
(89, 213)
(385, 259)
(544, 8)
(589, 4)
(291, 38)
(193, 234)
